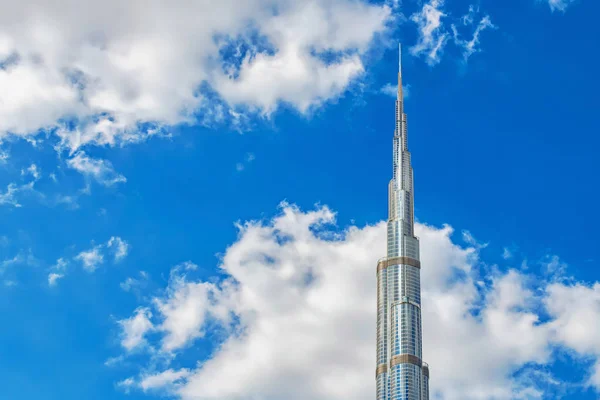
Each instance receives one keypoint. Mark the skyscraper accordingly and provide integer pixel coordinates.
(401, 373)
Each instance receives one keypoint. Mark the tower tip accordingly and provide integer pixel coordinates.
(400, 58)
(400, 94)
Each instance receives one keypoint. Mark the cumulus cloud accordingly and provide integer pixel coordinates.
(92, 258)
(134, 329)
(119, 247)
(101, 170)
(298, 293)
(575, 309)
(108, 73)
(185, 310)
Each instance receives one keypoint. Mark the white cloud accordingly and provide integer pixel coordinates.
(559, 5)
(247, 160)
(506, 253)
(469, 47)
(53, 278)
(168, 379)
(302, 294)
(119, 246)
(91, 259)
(9, 197)
(133, 283)
(3, 157)
(128, 284)
(32, 170)
(391, 89)
(135, 328)
(106, 73)
(23, 257)
(575, 309)
(59, 271)
(101, 170)
(432, 36)
(185, 310)
(469, 239)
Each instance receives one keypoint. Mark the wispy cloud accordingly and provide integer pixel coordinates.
(469, 239)
(23, 257)
(469, 47)
(132, 284)
(32, 170)
(560, 5)
(101, 170)
(391, 90)
(247, 160)
(432, 36)
(9, 196)
(58, 271)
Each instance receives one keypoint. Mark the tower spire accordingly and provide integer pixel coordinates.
(400, 94)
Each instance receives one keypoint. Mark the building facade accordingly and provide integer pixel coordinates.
(401, 373)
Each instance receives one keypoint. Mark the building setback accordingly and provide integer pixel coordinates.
(401, 373)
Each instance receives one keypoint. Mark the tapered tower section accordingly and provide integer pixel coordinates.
(401, 373)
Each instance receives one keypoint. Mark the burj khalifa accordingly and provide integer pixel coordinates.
(401, 373)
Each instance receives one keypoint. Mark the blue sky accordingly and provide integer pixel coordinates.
(186, 193)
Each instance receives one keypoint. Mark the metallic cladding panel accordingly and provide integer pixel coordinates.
(405, 382)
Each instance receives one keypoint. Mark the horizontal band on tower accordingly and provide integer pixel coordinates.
(381, 368)
(406, 359)
(386, 262)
